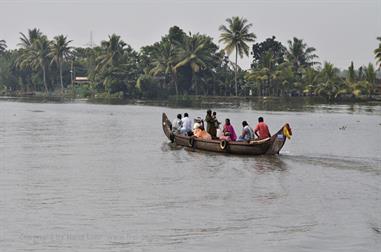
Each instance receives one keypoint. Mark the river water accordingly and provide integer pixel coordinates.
(90, 177)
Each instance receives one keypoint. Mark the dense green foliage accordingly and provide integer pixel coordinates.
(178, 64)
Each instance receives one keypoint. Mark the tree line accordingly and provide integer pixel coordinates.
(179, 64)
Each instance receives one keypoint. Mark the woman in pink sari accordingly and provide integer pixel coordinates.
(228, 132)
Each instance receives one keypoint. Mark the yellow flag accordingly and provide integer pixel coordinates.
(286, 133)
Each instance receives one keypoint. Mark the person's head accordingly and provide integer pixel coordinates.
(178, 116)
(260, 119)
(209, 112)
(198, 120)
(196, 125)
(214, 113)
(244, 123)
(185, 114)
(227, 121)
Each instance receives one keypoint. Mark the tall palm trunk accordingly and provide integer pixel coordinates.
(62, 87)
(44, 78)
(194, 79)
(259, 88)
(214, 85)
(34, 84)
(236, 70)
(174, 77)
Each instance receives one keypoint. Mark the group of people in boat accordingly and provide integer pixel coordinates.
(183, 125)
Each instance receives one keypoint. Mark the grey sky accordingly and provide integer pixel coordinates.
(340, 30)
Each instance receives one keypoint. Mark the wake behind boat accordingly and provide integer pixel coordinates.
(271, 145)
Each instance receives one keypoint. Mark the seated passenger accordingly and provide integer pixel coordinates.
(247, 132)
(200, 132)
(228, 132)
(196, 127)
(262, 130)
(186, 125)
(176, 124)
(198, 120)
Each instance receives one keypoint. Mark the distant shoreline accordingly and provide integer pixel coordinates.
(41, 97)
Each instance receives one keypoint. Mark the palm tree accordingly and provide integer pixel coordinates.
(37, 56)
(269, 67)
(263, 76)
(300, 55)
(235, 36)
(109, 66)
(197, 52)
(377, 52)
(330, 84)
(112, 52)
(370, 77)
(310, 80)
(59, 51)
(40, 57)
(23, 62)
(286, 77)
(257, 79)
(351, 78)
(3, 46)
(27, 41)
(163, 61)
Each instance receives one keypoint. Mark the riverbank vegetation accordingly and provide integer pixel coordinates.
(179, 64)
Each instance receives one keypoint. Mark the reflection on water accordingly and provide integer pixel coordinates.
(92, 177)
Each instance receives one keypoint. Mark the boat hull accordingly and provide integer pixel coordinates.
(269, 146)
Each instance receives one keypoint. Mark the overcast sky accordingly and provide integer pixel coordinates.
(340, 30)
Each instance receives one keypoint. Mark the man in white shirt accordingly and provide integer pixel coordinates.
(186, 124)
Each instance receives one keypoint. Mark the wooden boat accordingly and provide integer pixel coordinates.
(271, 145)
